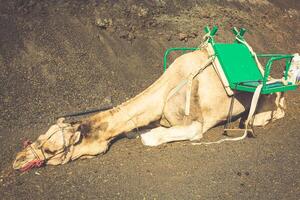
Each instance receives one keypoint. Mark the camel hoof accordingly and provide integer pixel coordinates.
(149, 140)
(60, 120)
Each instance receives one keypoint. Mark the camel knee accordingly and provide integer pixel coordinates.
(152, 137)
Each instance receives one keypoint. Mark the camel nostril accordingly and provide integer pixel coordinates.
(22, 159)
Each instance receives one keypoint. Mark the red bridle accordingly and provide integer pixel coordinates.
(34, 163)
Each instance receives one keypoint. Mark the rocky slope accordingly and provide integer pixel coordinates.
(64, 56)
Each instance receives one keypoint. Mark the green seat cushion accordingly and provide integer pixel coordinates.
(238, 63)
(268, 88)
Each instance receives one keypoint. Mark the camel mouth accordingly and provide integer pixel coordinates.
(25, 161)
(20, 162)
(16, 165)
(29, 165)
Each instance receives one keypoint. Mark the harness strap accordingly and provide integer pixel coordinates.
(189, 82)
(177, 88)
(190, 85)
(274, 80)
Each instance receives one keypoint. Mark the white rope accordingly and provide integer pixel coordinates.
(260, 67)
(205, 40)
(177, 88)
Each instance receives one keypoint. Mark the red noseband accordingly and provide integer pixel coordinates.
(33, 163)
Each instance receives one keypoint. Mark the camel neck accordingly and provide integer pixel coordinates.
(118, 120)
(138, 111)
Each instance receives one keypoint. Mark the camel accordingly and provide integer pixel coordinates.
(162, 102)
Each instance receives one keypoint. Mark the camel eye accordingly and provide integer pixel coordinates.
(48, 151)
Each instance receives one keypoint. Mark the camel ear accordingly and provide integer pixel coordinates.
(75, 138)
(60, 120)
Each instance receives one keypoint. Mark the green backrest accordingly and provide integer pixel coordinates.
(237, 62)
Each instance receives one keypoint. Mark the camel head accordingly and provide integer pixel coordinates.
(54, 147)
(270, 108)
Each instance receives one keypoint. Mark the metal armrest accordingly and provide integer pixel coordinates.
(274, 57)
(168, 51)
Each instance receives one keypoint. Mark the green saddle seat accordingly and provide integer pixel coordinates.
(241, 70)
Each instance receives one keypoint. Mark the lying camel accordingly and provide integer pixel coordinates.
(163, 102)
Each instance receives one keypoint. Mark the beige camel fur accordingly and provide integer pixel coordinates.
(209, 106)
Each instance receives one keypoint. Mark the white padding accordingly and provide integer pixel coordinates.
(219, 70)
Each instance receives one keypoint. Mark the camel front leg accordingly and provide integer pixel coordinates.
(88, 149)
(162, 135)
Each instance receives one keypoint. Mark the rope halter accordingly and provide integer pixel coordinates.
(39, 161)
